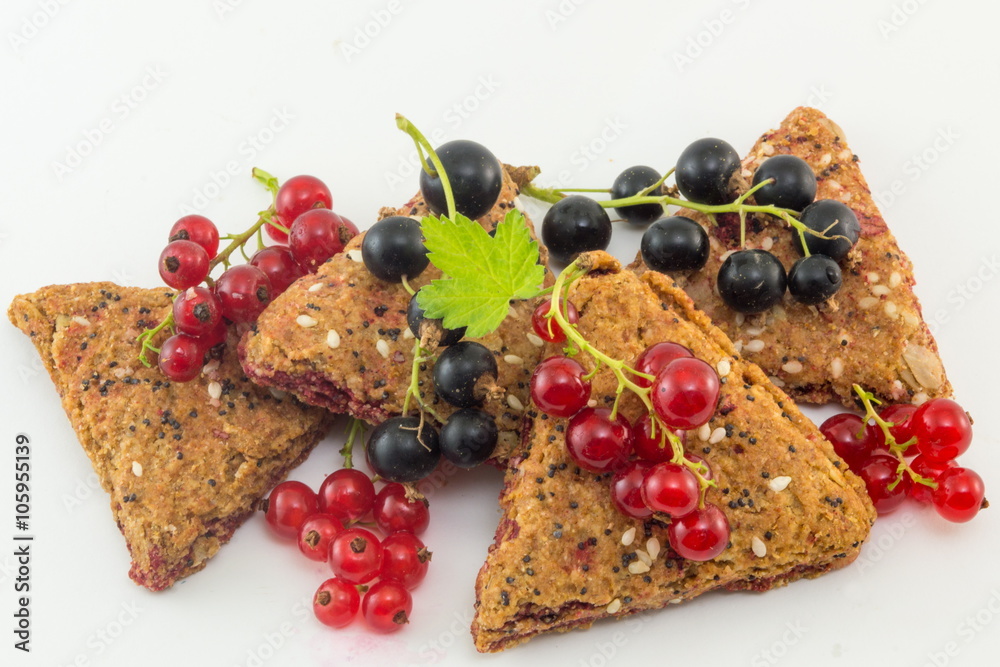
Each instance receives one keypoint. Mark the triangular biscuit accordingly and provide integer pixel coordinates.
(559, 561)
(185, 463)
(357, 357)
(871, 333)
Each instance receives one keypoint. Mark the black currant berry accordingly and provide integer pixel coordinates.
(794, 184)
(751, 281)
(419, 324)
(469, 437)
(398, 452)
(814, 279)
(834, 220)
(475, 176)
(461, 372)
(393, 248)
(704, 169)
(573, 225)
(675, 244)
(629, 183)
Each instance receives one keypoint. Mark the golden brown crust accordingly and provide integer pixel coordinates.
(355, 376)
(183, 470)
(872, 332)
(558, 560)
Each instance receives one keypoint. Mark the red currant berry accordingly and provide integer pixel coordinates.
(930, 469)
(348, 492)
(395, 512)
(351, 227)
(597, 442)
(878, 473)
(701, 535)
(942, 429)
(316, 533)
(216, 336)
(197, 311)
(685, 393)
(404, 560)
(288, 506)
(356, 555)
(276, 234)
(850, 438)
(558, 388)
(626, 490)
(279, 266)
(244, 292)
(671, 489)
(959, 494)
(181, 357)
(875, 434)
(899, 415)
(655, 357)
(387, 606)
(296, 196)
(547, 328)
(183, 264)
(336, 603)
(199, 229)
(316, 236)
(647, 446)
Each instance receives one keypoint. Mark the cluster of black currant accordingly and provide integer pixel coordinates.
(465, 178)
(749, 280)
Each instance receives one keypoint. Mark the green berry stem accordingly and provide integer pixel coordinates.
(743, 216)
(549, 195)
(355, 430)
(898, 450)
(418, 138)
(645, 192)
(617, 366)
(147, 336)
(599, 190)
(739, 206)
(420, 356)
(621, 372)
(407, 287)
(236, 241)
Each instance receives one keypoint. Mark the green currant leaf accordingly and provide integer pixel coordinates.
(482, 273)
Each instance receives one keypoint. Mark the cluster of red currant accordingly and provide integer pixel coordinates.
(200, 313)
(652, 474)
(905, 451)
(326, 527)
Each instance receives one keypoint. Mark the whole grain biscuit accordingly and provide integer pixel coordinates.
(564, 557)
(872, 332)
(184, 463)
(339, 338)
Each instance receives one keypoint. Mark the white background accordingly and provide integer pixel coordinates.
(583, 89)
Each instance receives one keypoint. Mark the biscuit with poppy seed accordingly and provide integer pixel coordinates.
(184, 463)
(872, 332)
(339, 338)
(564, 557)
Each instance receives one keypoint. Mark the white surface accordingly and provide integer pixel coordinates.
(536, 90)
